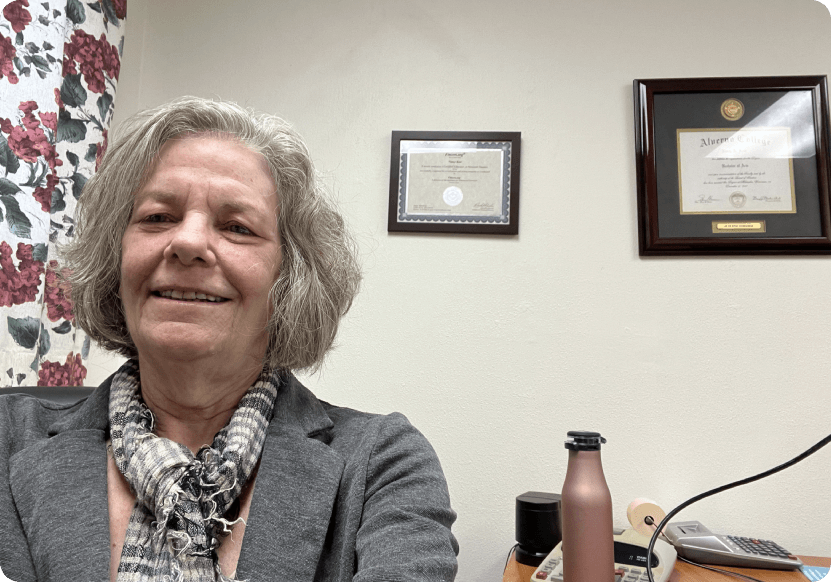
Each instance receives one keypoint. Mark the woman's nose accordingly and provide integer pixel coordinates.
(191, 241)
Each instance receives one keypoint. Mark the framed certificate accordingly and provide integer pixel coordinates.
(733, 165)
(454, 181)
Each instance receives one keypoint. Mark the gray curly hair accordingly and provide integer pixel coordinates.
(319, 274)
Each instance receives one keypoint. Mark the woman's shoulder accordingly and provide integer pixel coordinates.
(349, 419)
(375, 435)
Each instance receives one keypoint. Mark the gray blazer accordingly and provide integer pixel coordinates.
(341, 495)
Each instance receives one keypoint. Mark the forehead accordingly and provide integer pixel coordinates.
(221, 160)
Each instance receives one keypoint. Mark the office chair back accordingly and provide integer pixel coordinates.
(59, 394)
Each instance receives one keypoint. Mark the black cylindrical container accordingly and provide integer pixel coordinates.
(538, 527)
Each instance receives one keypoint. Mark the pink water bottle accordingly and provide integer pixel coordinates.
(588, 542)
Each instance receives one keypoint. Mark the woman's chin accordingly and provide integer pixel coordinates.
(187, 343)
(178, 351)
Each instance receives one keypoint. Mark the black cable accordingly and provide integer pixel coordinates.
(508, 559)
(692, 500)
(648, 520)
(719, 570)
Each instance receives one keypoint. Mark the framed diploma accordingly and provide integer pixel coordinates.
(733, 165)
(454, 181)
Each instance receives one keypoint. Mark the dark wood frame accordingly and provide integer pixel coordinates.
(650, 243)
(471, 227)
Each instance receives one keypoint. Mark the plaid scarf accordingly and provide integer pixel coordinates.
(181, 497)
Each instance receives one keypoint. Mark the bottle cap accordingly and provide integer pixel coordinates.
(580, 440)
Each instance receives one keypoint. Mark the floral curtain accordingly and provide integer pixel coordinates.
(59, 65)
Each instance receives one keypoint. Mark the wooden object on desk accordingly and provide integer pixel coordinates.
(516, 572)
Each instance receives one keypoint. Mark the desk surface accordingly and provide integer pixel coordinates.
(516, 572)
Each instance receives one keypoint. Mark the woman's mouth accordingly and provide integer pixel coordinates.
(188, 296)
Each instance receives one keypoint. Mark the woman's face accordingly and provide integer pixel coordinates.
(201, 253)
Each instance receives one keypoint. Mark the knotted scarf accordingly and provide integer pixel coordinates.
(174, 528)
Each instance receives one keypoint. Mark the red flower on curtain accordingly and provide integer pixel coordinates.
(120, 7)
(49, 120)
(17, 16)
(7, 54)
(95, 57)
(28, 140)
(56, 294)
(72, 373)
(43, 194)
(18, 285)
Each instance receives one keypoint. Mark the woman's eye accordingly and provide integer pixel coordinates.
(239, 229)
(155, 218)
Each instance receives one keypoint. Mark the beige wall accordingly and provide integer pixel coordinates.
(699, 371)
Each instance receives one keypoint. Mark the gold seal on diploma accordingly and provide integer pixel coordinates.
(732, 109)
(738, 199)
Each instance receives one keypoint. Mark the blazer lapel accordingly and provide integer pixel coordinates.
(294, 494)
(59, 486)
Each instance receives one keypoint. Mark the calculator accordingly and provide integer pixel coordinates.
(630, 560)
(693, 541)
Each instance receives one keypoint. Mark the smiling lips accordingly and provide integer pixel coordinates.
(189, 296)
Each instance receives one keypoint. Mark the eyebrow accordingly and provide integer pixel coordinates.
(232, 206)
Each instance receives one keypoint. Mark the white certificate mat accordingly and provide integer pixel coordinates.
(454, 182)
(728, 171)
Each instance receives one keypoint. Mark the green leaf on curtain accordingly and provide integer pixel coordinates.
(85, 348)
(73, 158)
(58, 203)
(38, 174)
(40, 252)
(109, 11)
(47, 46)
(75, 11)
(104, 103)
(41, 63)
(92, 152)
(24, 331)
(7, 158)
(78, 183)
(1, 215)
(43, 20)
(8, 188)
(18, 40)
(95, 6)
(55, 13)
(18, 223)
(43, 342)
(71, 130)
(72, 92)
(65, 327)
(32, 47)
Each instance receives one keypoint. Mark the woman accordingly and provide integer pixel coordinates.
(206, 253)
